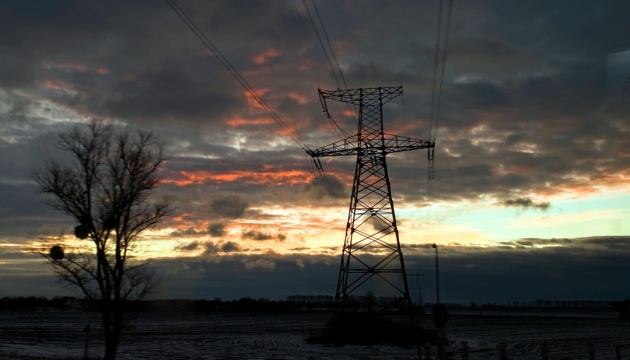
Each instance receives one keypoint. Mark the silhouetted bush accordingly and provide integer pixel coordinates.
(362, 328)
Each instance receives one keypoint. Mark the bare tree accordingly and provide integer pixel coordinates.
(106, 190)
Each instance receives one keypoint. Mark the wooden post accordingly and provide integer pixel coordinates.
(591, 351)
(427, 351)
(86, 355)
(503, 351)
(465, 350)
(441, 350)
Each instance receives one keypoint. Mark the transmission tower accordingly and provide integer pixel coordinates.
(372, 262)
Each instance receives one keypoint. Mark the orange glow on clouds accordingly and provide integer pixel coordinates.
(64, 88)
(265, 56)
(301, 99)
(307, 65)
(75, 66)
(516, 170)
(71, 66)
(55, 84)
(240, 121)
(266, 177)
(251, 100)
(579, 186)
(519, 169)
(344, 48)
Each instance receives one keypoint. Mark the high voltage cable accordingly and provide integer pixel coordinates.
(332, 50)
(334, 55)
(435, 103)
(341, 132)
(448, 23)
(233, 71)
(321, 43)
(435, 70)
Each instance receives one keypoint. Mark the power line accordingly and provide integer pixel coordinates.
(321, 43)
(233, 71)
(436, 99)
(435, 69)
(448, 23)
(332, 49)
(340, 131)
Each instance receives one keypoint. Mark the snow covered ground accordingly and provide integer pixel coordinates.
(214, 336)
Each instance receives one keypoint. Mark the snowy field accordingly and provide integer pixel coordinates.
(282, 336)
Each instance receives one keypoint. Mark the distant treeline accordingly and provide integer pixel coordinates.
(28, 303)
(246, 304)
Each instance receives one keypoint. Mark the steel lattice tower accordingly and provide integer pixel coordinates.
(372, 261)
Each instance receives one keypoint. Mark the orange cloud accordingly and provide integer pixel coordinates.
(251, 100)
(301, 99)
(520, 169)
(180, 218)
(240, 121)
(307, 65)
(265, 56)
(75, 66)
(71, 66)
(55, 84)
(343, 48)
(266, 177)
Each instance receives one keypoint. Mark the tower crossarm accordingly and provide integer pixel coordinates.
(365, 96)
(388, 144)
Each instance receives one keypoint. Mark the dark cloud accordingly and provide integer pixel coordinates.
(216, 229)
(527, 203)
(22, 209)
(256, 235)
(478, 95)
(239, 276)
(379, 224)
(542, 268)
(214, 248)
(612, 243)
(150, 97)
(210, 248)
(230, 206)
(186, 232)
(563, 269)
(230, 246)
(329, 186)
(193, 245)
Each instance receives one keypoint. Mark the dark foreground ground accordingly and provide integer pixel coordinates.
(62, 335)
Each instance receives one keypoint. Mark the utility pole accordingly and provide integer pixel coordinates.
(371, 258)
(418, 287)
(437, 275)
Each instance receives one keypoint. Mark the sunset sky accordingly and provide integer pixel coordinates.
(531, 197)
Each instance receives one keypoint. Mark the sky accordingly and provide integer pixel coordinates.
(530, 198)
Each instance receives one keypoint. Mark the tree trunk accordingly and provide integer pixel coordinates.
(112, 328)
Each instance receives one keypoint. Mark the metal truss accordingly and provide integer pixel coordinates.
(372, 261)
